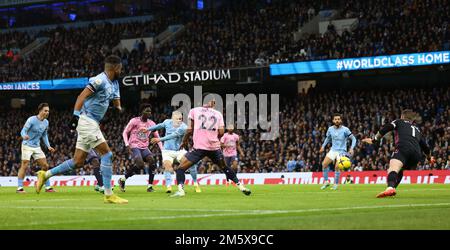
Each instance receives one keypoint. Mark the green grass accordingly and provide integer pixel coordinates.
(220, 207)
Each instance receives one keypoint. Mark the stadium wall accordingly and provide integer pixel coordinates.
(365, 177)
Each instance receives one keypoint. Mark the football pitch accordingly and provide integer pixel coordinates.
(222, 207)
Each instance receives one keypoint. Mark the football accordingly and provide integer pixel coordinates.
(344, 163)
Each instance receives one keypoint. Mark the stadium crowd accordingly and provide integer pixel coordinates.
(303, 123)
(241, 34)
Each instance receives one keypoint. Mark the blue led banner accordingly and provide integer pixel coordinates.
(58, 84)
(362, 63)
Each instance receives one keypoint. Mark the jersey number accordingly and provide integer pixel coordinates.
(203, 119)
(414, 130)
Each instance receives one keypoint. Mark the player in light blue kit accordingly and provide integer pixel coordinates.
(90, 107)
(33, 131)
(175, 130)
(338, 135)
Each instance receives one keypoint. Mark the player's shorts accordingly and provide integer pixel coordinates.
(172, 155)
(28, 152)
(140, 153)
(197, 154)
(91, 156)
(89, 134)
(408, 157)
(229, 160)
(334, 155)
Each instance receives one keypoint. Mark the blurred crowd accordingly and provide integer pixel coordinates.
(242, 33)
(304, 120)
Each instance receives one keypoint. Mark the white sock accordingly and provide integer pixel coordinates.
(180, 188)
(108, 191)
(241, 186)
(48, 174)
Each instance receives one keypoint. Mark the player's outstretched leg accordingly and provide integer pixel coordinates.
(181, 176)
(43, 176)
(230, 174)
(399, 178)
(394, 168)
(42, 163)
(193, 172)
(337, 175)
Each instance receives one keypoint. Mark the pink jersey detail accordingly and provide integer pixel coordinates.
(207, 122)
(230, 144)
(137, 138)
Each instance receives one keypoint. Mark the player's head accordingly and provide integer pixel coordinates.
(409, 115)
(337, 119)
(230, 128)
(113, 64)
(177, 118)
(43, 110)
(212, 101)
(146, 112)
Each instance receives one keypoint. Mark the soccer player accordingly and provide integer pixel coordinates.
(35, 129)
(338, 135)
(137, 145)
(230, 145)
(175, 129)
(207, 126)
(90, 108)
(409, 145)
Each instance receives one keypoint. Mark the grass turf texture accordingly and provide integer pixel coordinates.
(221, 207)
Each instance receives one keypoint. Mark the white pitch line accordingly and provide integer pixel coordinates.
(237, 213)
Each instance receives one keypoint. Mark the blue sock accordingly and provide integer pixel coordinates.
(19, 182)
(47, 183)
(336, 177)
(106, 168)
(63, 167)
(168, 177)
(193, 172)
(325, 173)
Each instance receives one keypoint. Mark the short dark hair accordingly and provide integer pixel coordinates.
(144, 106)
(113, 59)
(42, 105)
(336, 114)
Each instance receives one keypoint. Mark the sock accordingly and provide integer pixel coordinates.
(47, 184)
(61, 168)
(131, 171)
(168, 177)
(392, 179)
(336, 177)
(399, 178)
(19, 183)
(98, 176)
(151, 175)
(193, 172)
(231, 175)
(181, 177)
(325, 174)
(106, 168)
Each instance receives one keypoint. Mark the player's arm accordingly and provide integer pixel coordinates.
(25, 129)
(180, 132)
(327, 140)
(156, 127)
(116, 98)
(157, 139)
(221, 126)
(47, 142)
(384, 130)
(188, 133)
(238, 145)
(88, 91)
(353, 138)
(117, 105)
(425, 149)
(126, 132)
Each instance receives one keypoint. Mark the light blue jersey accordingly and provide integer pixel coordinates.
(96, 105)
(338, 138)
(174, 135)
(35, 129)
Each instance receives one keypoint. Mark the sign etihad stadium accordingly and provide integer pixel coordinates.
(185, 77)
